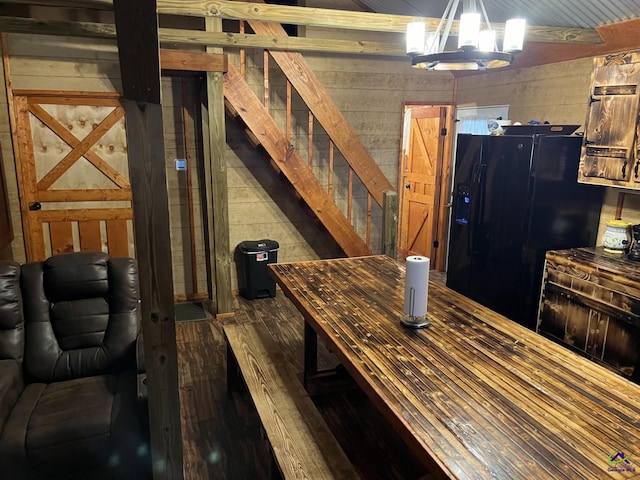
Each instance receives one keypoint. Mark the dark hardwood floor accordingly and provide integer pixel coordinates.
(221, 432)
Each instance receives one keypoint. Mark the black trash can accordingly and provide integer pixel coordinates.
(252, 258)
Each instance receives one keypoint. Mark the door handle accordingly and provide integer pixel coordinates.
(35, 206)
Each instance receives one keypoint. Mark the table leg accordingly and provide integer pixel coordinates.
(318, 382)
(310, 353)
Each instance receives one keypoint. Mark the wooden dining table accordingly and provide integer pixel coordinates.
(474, 395)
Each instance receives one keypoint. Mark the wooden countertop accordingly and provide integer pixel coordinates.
(613, 266)
(474, 395)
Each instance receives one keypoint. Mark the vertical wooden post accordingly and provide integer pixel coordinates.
(619, 206)
(288, 114)
(390, 223)
(350, 196)
(217, 194)
(187, 155)
(331, 158)
(206, 185)
(310, 141)
(368, 234)
(243, 53)
(265, 79)
(137, 27)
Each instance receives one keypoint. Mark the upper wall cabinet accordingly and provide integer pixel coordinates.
(609, 150)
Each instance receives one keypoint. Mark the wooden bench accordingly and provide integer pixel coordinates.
(302, 445)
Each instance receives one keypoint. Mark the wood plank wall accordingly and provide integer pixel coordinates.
(16, 249)
(65, 63)
(556, 92)
(177, 148)
(370, 92)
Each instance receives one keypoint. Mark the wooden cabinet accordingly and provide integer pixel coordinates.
(610, 148)
(590, 303)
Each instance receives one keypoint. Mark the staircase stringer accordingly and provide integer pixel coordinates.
(248, 107)
(320, 103)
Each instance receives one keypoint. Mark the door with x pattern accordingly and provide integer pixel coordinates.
(421, 181)
(73, 173)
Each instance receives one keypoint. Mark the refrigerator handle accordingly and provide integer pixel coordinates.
(475, 174)
(477, 200)
(529, 207)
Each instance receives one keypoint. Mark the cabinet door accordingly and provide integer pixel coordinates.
(577, 311)
(608, 150)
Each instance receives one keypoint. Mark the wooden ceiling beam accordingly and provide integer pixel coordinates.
(343, 19)
(618, 37)
(179, 60)
(106, 5)
(298, 44)
(192, 61)
(211, 39)
(57, 27)
(321, 17)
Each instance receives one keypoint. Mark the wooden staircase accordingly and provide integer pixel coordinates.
(262, 129)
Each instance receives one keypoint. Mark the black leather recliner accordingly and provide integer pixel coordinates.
(69, 405)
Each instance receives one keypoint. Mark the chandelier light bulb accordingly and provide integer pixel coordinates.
(415, 38)
(487, 41)
(514, 35)
(469, 30)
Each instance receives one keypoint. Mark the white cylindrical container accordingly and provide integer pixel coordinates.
(416, 292)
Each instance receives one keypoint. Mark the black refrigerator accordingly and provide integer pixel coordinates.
(514, 198)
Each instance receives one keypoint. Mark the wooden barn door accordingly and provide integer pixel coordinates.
(421, 182)
(73, 173)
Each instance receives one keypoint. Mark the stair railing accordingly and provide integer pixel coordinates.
(370, 206)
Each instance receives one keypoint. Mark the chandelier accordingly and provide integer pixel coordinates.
(477, 49)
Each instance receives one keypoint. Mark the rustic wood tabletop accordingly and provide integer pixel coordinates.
(474, 395)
